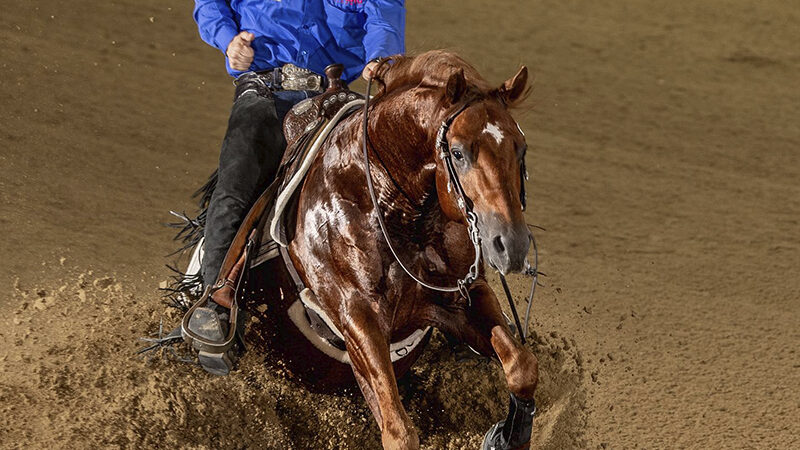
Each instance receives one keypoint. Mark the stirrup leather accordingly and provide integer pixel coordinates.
(202, 343)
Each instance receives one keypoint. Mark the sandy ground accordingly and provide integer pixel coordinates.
(665, 156)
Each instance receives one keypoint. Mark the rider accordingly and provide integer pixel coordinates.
(265, 42)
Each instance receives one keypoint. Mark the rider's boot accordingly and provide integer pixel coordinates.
(209, 322)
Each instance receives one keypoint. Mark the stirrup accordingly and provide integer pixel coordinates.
(204, 330)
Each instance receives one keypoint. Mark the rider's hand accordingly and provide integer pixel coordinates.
(369, 70)
(239, 53)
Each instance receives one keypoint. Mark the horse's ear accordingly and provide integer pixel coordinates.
(514, 88)
(456, 86)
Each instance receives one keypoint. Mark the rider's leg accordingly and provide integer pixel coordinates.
(251, 152)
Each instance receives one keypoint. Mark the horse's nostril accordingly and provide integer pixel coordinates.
(498, 244)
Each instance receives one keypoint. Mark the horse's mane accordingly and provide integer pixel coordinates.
(432, 69)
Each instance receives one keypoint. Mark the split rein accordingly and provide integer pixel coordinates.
(465, 204)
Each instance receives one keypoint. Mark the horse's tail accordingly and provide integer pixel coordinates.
(190, 232)
(204, 193)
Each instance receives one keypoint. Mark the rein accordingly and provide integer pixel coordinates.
(464, 203)
(462, 284)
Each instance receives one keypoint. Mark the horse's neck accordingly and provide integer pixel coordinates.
(403, 133)
(402, 140)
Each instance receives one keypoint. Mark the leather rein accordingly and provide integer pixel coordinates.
(464, 203)
(462, 284)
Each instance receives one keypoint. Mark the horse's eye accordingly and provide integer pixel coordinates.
(458, 155)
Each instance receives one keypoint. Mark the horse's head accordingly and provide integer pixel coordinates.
(487, 150)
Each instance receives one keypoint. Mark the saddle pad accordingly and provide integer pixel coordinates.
(291, 177)
(290, 186)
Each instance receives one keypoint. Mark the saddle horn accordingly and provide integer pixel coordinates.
(334, 74)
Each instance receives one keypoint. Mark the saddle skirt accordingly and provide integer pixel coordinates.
(306, 128)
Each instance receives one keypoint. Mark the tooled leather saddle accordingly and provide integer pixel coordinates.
(305, 126)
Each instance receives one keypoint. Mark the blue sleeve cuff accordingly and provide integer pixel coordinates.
(385, 28)
(224, 36)
(216, 22)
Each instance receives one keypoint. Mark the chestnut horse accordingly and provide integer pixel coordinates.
(342, 251)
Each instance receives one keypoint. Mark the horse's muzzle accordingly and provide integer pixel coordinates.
(505, 245)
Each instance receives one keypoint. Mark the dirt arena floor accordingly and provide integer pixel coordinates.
(665, 166)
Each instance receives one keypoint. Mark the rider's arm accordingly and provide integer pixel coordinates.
(385, 27)
(216, 23)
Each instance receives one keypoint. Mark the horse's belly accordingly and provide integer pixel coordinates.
(271, 331)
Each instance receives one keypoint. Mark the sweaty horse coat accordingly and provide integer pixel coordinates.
(341, 255)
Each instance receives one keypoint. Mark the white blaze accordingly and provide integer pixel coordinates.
(494, 131)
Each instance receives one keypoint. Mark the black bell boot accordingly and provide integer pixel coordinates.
(515, 431)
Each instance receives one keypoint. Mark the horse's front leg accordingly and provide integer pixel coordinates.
(368, 347)
(483, 327)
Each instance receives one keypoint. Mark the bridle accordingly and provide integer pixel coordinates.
(465, 204)
(462, 285)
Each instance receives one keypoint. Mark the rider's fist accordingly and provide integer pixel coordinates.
(239, 53)
(369, 70)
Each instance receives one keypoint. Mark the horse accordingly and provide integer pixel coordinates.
(419, 192)
(342, 255)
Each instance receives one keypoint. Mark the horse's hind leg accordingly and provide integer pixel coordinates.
(483, 326)
(368, 348)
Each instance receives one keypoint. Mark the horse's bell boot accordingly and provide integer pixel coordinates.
(515, 431)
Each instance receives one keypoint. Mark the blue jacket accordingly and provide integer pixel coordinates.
(306, 33)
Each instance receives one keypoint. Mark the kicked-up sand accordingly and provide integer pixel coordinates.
(664, 160)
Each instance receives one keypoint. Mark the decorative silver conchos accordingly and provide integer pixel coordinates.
(313, 124)
(302, 107)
